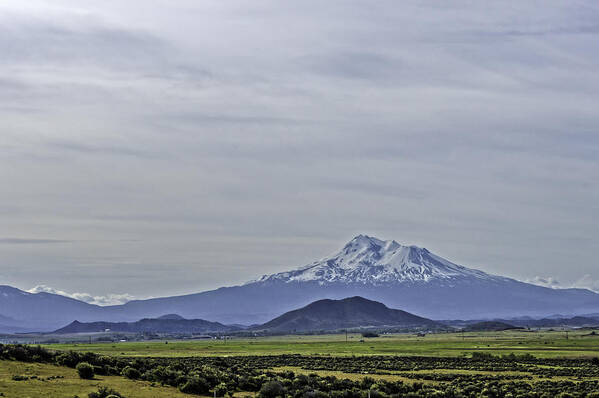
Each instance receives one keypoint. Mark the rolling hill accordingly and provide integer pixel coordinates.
(348, 313)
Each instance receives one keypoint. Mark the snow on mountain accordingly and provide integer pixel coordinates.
(369, 260)
(406, 277)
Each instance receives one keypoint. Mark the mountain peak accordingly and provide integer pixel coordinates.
(364, 240)
(369, 260)
(371, 242)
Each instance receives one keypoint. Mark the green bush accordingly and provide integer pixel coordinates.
(220, 390)
(195, 385)
(131, 373)
(370, 334)
(85, 370)
(272, 389)
(105, 392)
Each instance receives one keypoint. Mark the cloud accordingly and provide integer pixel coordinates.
(158, 140)
(110, 299)
(99, 149)
(545, 282)
(367, 66)
(587, 282)
(25, 241)
(79, 39)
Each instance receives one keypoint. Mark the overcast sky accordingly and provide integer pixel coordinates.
(151, 148)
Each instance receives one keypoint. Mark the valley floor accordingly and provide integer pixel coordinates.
(542, 344)
(511, 362)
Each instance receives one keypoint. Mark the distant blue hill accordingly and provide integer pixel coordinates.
(168, 324)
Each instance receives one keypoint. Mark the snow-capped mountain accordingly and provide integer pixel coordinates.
(369, 260)
(406, 277)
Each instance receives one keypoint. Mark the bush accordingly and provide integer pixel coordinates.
(272, 389)
(85, 370)
(131, 373)
(370, 334)
(105, 392)
(195, 385)
(220, 390)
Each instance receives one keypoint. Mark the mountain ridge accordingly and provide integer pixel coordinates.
(148, 325)
(406, 277)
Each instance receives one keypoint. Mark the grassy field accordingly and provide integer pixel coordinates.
(323, 353)
(545, 344)
(68, 384)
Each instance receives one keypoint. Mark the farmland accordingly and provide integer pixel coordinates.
(543, 344)
(487, 364)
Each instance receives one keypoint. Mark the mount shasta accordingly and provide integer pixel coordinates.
(406, 277)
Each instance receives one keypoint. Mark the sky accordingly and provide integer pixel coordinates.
(151, 148)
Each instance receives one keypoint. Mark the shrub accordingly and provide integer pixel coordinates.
(195, 385)
(220, 390)
(105, 392)
(271, 389)
(131, 373)
(370, 334)
(85, 370)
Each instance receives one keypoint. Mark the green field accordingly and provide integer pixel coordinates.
(544, 364)
(68, 384)
(545, 344)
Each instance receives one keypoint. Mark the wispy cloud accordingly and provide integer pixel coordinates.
(585, 282)
(82, 38)
(29, 241)
(110, 299)
(588, 282)
(545, 282)
(101, 149)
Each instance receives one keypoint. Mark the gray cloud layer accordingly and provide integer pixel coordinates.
(177, 147)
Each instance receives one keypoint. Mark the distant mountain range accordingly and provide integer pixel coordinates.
(576, 321)
(321, 315)
(349, 313)
(407, 277)
(164, 324)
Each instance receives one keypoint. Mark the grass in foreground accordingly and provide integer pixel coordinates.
(69, 384)
(354, 376)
